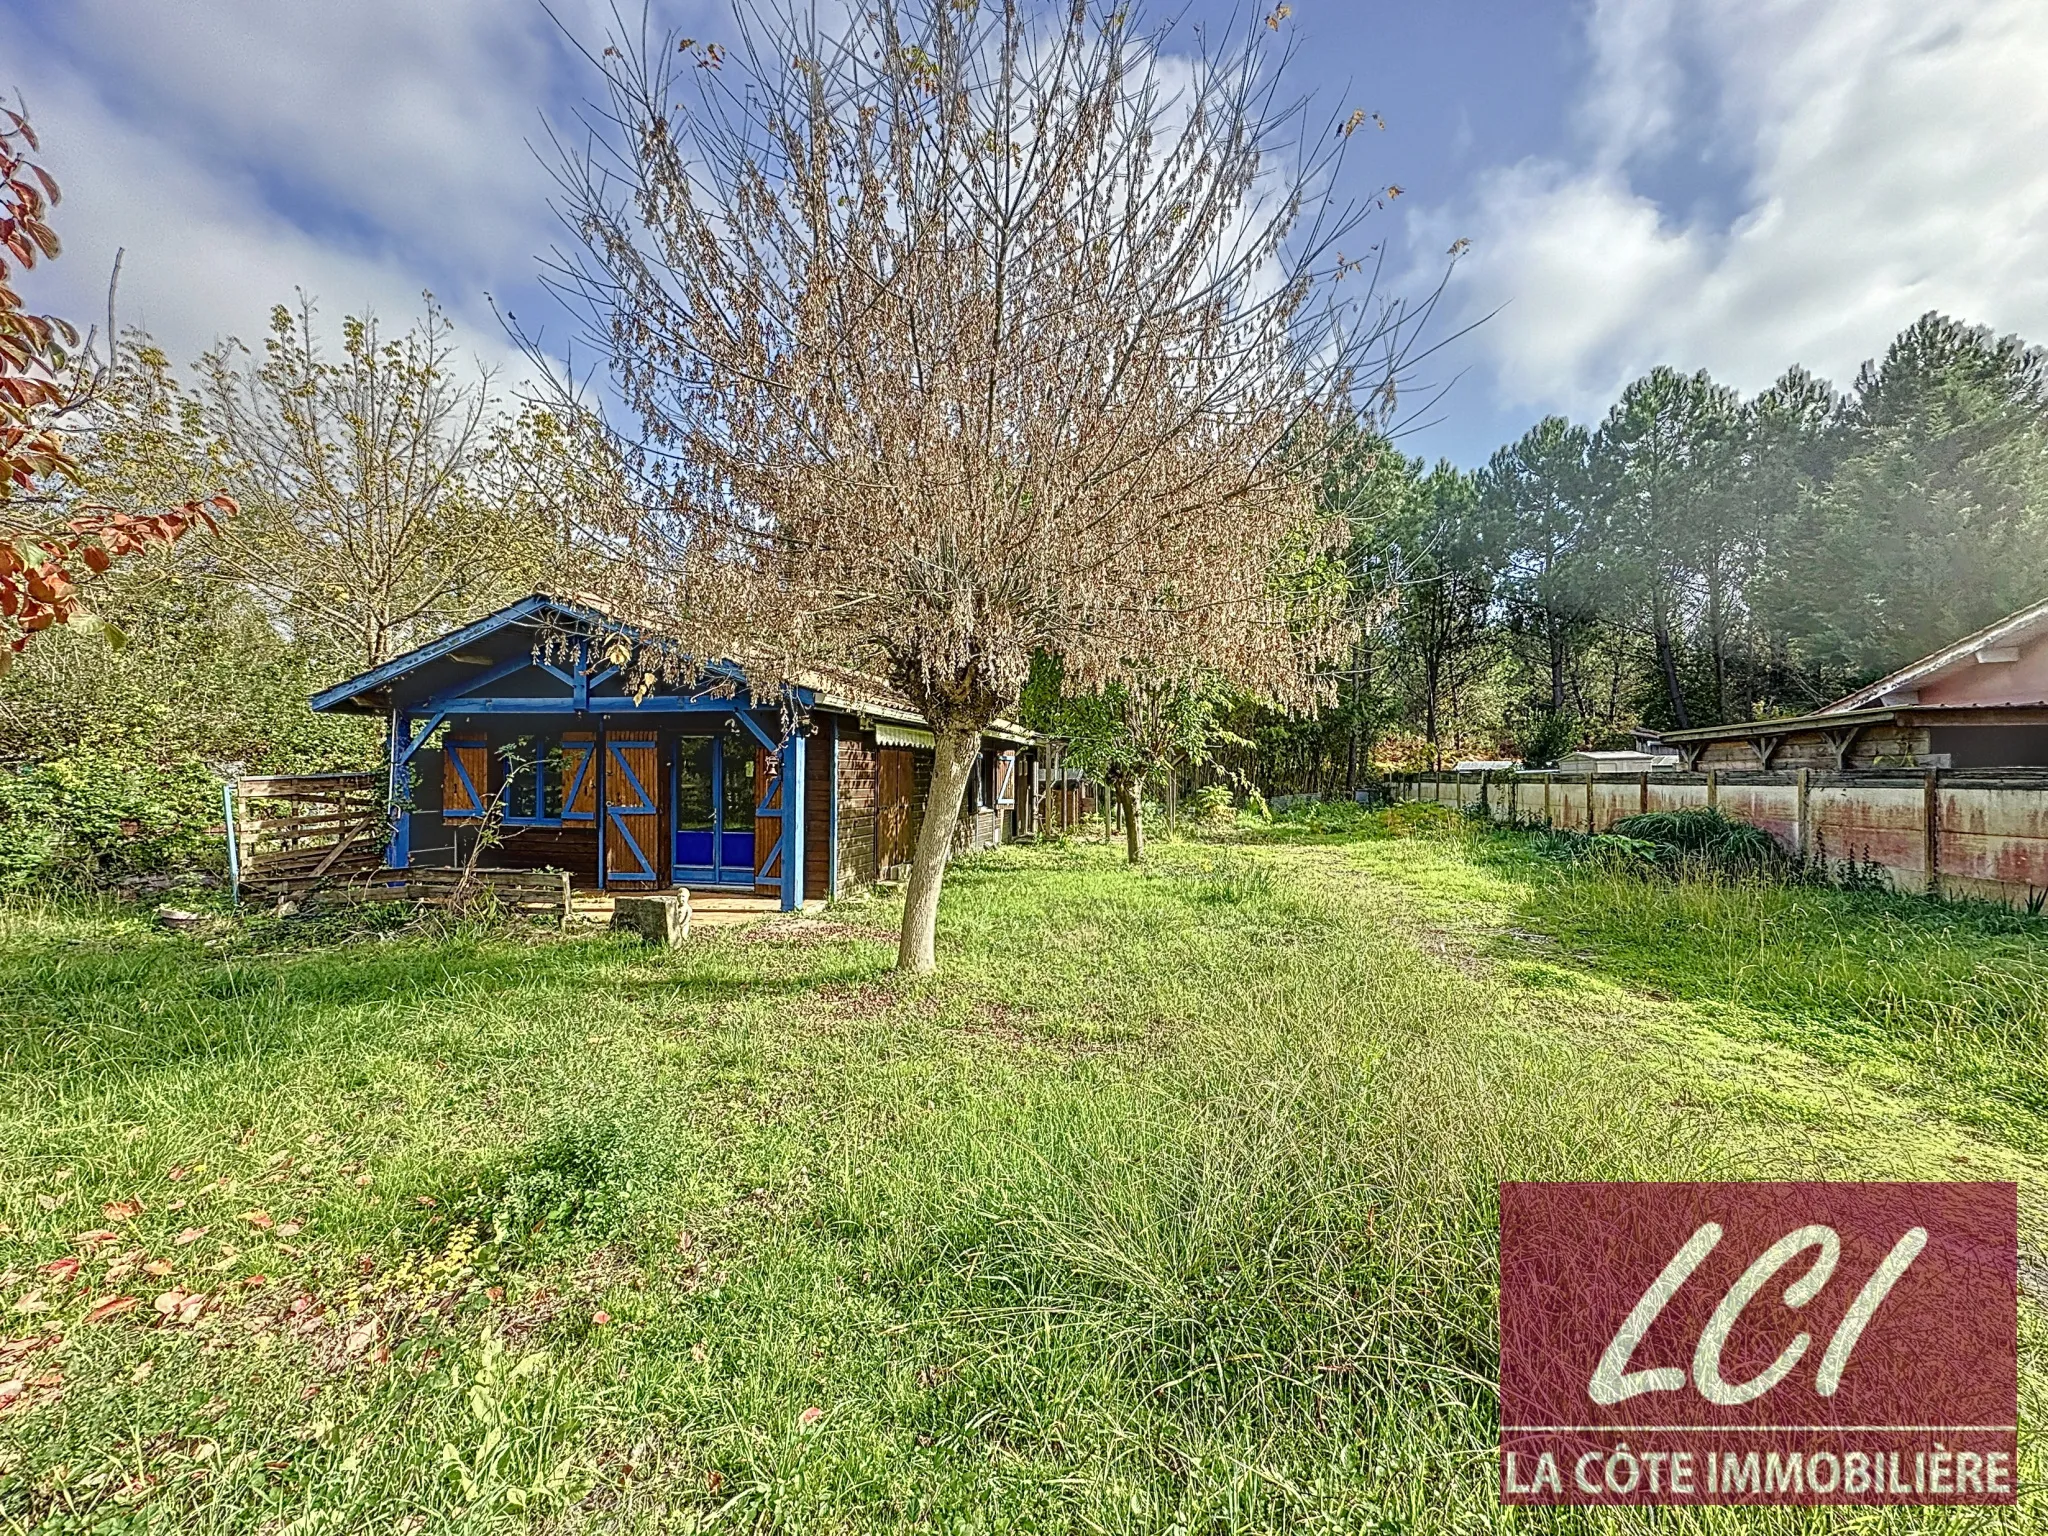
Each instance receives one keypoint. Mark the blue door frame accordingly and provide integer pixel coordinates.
(720, 856)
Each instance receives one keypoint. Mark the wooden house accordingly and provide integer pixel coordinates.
(521, 730)
(1980, 703)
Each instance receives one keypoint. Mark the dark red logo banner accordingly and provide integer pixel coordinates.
(1770, 1343)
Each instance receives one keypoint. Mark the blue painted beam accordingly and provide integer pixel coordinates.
(398, 852)
(793, 822)
(417, 739)
(490, 675)
(565, 704)
(768, 743)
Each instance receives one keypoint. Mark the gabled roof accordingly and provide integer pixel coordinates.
(539, 605)
(2013, 630)
(817, 687)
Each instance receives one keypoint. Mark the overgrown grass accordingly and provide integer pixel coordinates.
(1168, 1206)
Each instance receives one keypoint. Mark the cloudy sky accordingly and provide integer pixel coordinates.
(1730, 184)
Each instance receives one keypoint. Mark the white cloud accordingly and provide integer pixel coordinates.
(1888, 160)
(240, 149)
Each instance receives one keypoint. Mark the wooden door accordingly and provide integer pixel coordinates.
(632, 811)
(895, 784)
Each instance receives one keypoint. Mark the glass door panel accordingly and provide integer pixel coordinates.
(738, 795)
(696, 806)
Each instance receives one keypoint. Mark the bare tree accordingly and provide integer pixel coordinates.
(366, 520)
(970, 331)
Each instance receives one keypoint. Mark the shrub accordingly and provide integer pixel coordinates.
(1213, 806)
(1704, 840)
(1417, 818)
(1553, 734)
(571, 1176)
(88, 822)
(1325, 816)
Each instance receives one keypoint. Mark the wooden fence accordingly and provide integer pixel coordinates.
(323, 836)
(288, 835)
(1948, 832)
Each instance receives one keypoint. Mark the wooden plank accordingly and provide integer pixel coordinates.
(1930, 830)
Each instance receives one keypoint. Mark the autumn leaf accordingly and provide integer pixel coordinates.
(121, 1210)
(94, 1238)
(810, 1416)
(260, 1219)
(158, 1267)
(113, 1306)
(181, 1306)
(61, 1269)
(189, 1236)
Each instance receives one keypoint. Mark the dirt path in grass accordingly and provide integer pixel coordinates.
(1782, 1112)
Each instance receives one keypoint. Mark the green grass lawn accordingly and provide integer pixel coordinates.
(1167, 1206)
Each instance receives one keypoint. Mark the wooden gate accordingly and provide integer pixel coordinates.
(895, 787)
(632, 811)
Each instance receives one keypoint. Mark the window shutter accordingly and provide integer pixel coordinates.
(465, 777)
(579, 757)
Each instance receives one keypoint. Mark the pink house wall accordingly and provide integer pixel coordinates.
(1998, 682)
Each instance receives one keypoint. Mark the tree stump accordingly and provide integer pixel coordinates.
(662, 919)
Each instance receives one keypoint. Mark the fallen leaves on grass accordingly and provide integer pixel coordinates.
(61, 1269)
(112, 1306)
(121, 1210)
(189, 1236)
(23, 1393)
(259, 1219)
(181, 1306)
(94, 1238)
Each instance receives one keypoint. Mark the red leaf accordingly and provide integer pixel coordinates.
(111, 1307)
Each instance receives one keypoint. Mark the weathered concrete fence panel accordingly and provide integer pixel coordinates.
(1963, 833)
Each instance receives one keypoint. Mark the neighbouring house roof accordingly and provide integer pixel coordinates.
(1486, 765)
(2015, 649)
(1996, 676)
(1619, 760)
(833, 688)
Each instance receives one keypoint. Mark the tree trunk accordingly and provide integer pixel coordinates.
(1130, 795)
(952, 763)
(1557, 658)
(1667, 661)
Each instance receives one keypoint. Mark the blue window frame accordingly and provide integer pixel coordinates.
(545, 780)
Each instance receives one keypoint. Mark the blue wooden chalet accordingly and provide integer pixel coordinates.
(518, 730)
